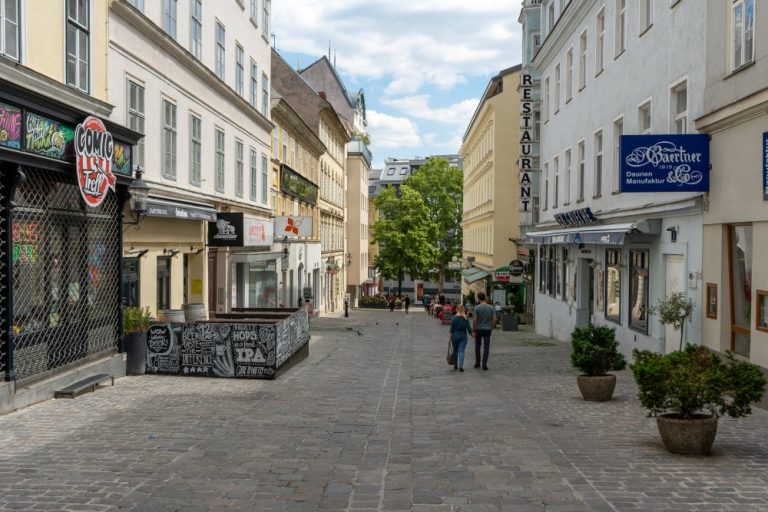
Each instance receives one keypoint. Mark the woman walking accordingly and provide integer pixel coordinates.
(459, 332)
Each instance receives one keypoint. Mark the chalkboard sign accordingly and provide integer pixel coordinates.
(162, 349)
(253, 347)
(207, 351)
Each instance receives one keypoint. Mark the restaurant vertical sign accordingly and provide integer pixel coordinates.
(529, 156)
(765, 166)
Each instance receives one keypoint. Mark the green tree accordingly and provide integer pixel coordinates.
(403, 234)
(441, 187)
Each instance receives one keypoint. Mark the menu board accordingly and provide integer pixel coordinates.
(253, 348)
(163, 350)
(207, 351)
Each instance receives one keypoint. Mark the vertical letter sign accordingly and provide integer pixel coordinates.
(94, 148)
(765, 166)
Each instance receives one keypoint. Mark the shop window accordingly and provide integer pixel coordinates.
(163, 282)
(613, 285)
(712, 301)
(762, 310)
(78, 44)
(542, 270)
(131, 280)
(740, 252)
(638, 290)
(558, 275)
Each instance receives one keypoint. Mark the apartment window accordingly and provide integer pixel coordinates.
(583, 60)
(644, 118)
(284, 158)
(138, 4)
(169, 17)
(569, 75)
(581, 172)
(556, 187)
(638, 290)
(618, 131)
(131, 281)
(276, 142)
(219, 161)
(78, 37)
(254, 84)
(546, 99)
(600, 36)
(646, 15)
(239, 69)
(254, 10)
(711, 298)
(220, 50)
(567, 182)
(743, 32)
(265, 94)
(163, 282)
(679, 102)
(551, 16)
(239, 169)
(9, 28)
(621, 26)
(613, 285)
(264, 183)
(195, 149)
(598, 178)
(169, 140)
(136, 118)
(292, 161)
(557, 89)
(196, 29)
(546, 186)
(265, 20)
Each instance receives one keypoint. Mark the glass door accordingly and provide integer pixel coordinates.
(740, 262)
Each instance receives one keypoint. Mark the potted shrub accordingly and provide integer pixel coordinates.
(595, 353)
(135, 325)
(673, 310)
(689, 389)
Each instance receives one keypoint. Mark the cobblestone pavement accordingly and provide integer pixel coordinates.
(373, 420)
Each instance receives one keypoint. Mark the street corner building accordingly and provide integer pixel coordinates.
(65, 170)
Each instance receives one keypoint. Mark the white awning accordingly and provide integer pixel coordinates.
(606, 234)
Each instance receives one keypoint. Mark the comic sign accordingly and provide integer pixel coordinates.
(94, 148)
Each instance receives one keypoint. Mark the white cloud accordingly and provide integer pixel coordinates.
(390, 132)
(418, 106)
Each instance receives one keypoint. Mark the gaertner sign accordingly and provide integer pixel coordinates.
(665, 163)
(528, 162)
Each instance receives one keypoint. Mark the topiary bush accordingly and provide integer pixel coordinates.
(595, 350)
(694, 380)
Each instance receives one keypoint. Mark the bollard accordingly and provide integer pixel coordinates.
(346, 309)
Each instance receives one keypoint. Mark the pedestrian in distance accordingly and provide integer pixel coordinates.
(497, 309)
(425, 301)
(407, 302)
(391, 303)
(458, 336)
(483, 322)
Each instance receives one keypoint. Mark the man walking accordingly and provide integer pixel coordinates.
(407, 302)
(483, 322)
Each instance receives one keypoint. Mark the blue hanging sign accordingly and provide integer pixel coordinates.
(665, 163)
(765, 166)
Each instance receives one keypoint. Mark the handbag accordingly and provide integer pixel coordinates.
(451, 356)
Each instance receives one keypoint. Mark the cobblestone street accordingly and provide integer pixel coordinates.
(374, 419)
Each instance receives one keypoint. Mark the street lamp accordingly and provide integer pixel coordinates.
(139, 192)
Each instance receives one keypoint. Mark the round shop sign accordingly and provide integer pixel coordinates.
(501, 274)
(516, 267)
(94, 148)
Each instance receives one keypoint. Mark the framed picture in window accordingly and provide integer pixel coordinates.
(711, 301)
(762, 310)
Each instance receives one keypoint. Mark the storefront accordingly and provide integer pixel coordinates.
(65, 178)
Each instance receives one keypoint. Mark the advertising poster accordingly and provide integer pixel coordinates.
(664, 163)
(47, 137)
(10, 126)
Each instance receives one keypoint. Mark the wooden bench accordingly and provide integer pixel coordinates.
(87, 385)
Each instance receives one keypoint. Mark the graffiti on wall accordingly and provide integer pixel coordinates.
(10, 126)
(47, 137)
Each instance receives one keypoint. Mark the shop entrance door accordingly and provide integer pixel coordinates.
(212, 281)
(585, 290)
(675, 278)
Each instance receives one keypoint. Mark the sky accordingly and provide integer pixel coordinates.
(423, 64)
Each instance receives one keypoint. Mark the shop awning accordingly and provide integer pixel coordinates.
(166, 207)
(474, 274)
(607, 234)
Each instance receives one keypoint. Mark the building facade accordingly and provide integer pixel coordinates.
(196, 82)
(605, 255)
(491, 221)
(735, 114)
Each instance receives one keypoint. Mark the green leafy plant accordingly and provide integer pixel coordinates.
(136, 319)
(595, 350)
(696, 380)
(673, 310)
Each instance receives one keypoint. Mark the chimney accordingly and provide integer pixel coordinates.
(322, 95)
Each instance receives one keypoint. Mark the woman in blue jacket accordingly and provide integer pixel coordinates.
(459, 333)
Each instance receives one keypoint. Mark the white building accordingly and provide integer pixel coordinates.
(607, 69)
(195, 79)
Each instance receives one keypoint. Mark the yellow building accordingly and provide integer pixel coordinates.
(491, 218)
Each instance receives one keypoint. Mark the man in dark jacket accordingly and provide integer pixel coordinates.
(483, 322)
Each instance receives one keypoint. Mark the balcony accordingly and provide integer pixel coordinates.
(358, 147)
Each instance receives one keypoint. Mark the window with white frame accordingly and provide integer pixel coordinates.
(9, 29)
(546, 99)
(646, 15)
(567, 178)
(265, 19)
(557, 89)
(583, 60)
(254, 84)
(255, 11)
(254, 173)
(292, 161)
(556, 183)
(265, 94)
(196, 29)
(239, 69)
(78, 44)
(742, 32)
(597, 181)
(195, 150)
(679, 104)
(169, 17)
(219, 164)
(551, 17)
(569, 75)
(239, 169)
(618, 131)
(220, 50)
(581, 172)
(621, 26)
(136, 118)
(264, 180)
(169, 140)
(546, 186)
(600, 43)
(644, 118)
(139, 4)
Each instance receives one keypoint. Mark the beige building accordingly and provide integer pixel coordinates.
(735, 277)
(491, 207)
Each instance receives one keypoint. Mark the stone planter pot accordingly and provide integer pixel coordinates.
(596, 389)
(687, 436)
